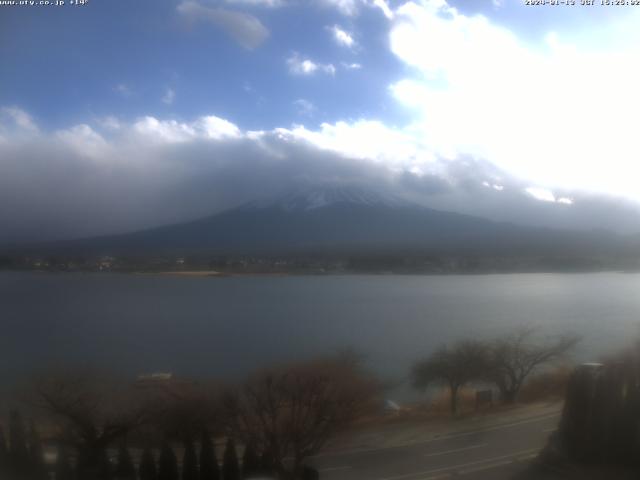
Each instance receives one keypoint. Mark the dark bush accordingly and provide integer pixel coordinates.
(309, 473)
(148, 469)
(168, 464)
(189, 462)
(4, 453)
(209, 469)
(250, 462)
(63, 468)
(19, 461)
(230, 466)
(125, 470)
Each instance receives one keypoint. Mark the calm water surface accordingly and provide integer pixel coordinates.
(228, 326)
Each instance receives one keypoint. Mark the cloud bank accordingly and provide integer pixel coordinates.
(113, 175)
(559, 112)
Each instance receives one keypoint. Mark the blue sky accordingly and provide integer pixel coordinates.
(167, 103)
(120, 57)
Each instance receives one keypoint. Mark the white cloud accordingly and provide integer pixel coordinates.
(541, 194)
(128, 175)
(304, 66)
(304, 107)
(352, 8)
(558, 112)
(342, 37)
(123, 90)
(114, 175)
(169, 96)
(217, 128)
(244, 28)
(366, 140)
(21, 119)
(346, 7)
(351, 66)
(171, 131)
(109, 123)
(258, 3)
(546, 195)
(495, 186)
(384, 7)
(84, 140)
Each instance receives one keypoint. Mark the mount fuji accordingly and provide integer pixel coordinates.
(344, 220)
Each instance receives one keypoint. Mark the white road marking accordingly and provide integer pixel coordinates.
(437, 477)
(437, 439)
(456, 450)
(462, 465)
(528, 457)
(489, 466)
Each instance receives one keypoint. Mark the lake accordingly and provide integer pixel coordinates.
(226, 327)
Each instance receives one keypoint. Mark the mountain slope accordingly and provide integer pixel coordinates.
(345, 221)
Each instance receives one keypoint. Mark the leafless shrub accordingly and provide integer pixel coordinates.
(292, 412)
(514, 357)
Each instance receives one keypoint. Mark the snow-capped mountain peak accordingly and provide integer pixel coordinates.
(321, 197)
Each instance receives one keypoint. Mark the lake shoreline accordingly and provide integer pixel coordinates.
(310, 273)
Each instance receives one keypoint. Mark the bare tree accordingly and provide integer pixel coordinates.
(4, 453)
(515, 356)
(36, 455)
(147, 470)
(182, 408)
(209, 469)
(19, 461)
(90, 414)
(230, 464)
(292, 412)
(63, 469)
(453, 366)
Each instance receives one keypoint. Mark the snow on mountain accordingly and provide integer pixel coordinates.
(321, 197)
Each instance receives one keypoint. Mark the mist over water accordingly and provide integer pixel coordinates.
(227, 327)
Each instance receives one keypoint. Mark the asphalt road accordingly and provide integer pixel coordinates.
(493, 452)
